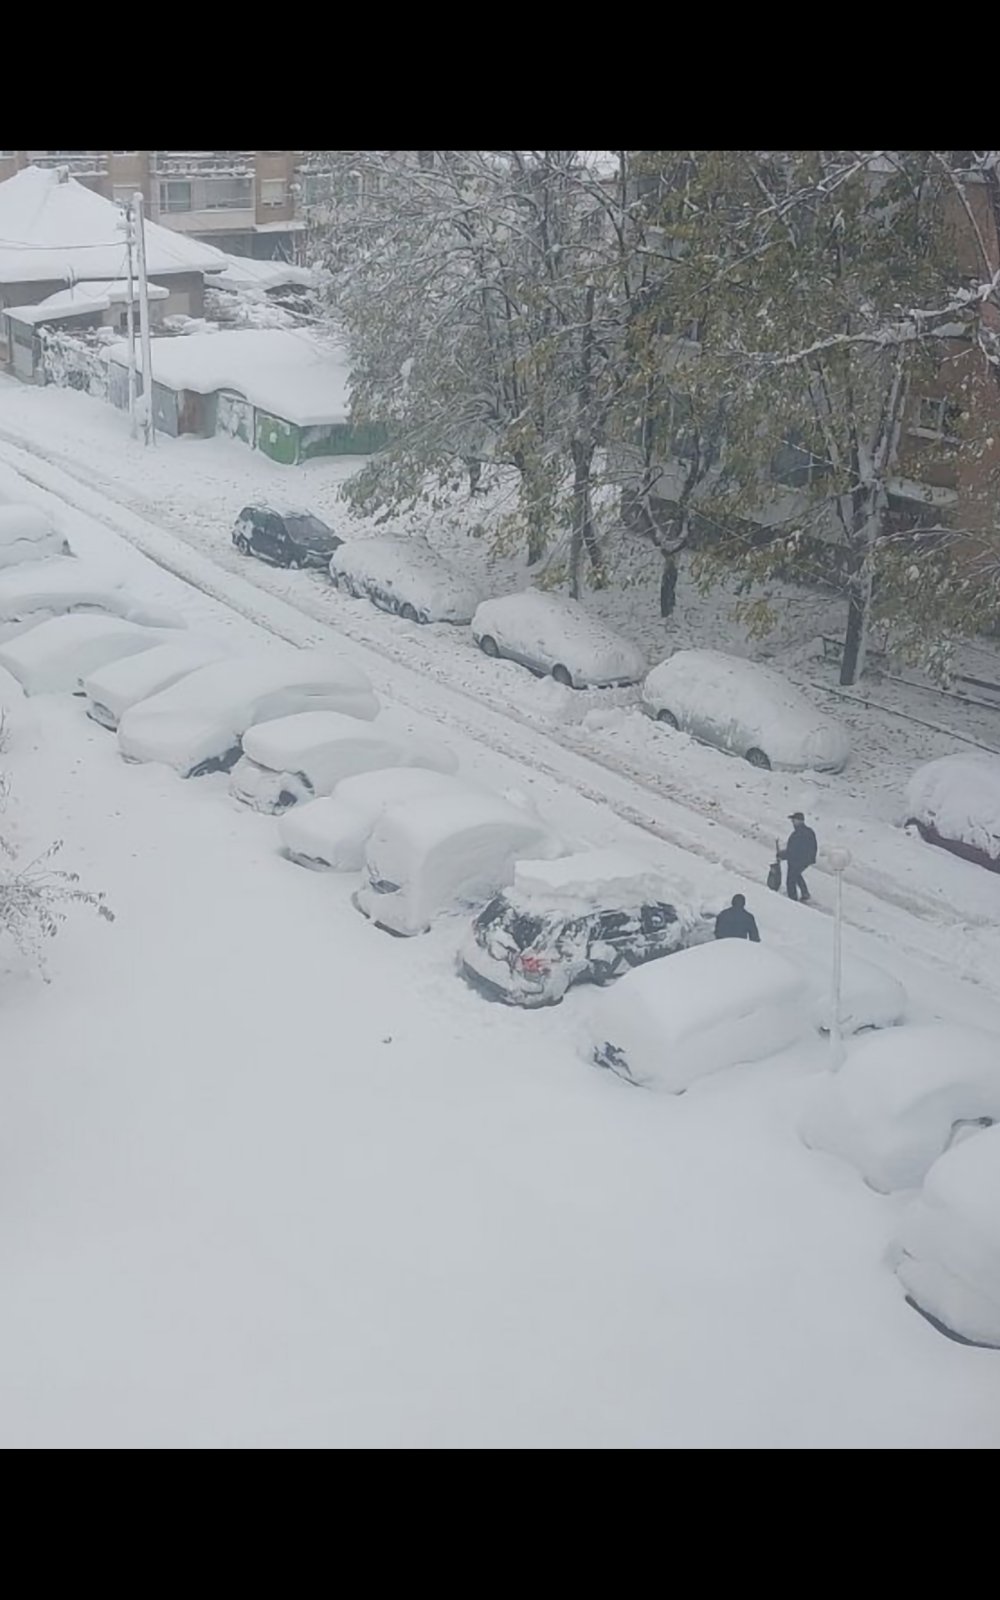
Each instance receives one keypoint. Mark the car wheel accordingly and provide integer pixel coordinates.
(757, 758)
(489, 646)
(561, 675)
(667, 717)
(408, 614)
(242, 544)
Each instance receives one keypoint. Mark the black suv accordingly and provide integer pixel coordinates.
(286, 538)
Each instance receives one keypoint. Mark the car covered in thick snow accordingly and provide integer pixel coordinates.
(298, 758)
(900, 1098)
(54, 657)
(870, 997)
(405, 576)
(946, 1250)
(746, 709)
(549, 633)
(197, 725)
(954, 802)
(38, 590)
(27, 534)
(442, 853)
(330, 834)
(286, 538)
(709, 1007)
(584, 918)
(113, 689)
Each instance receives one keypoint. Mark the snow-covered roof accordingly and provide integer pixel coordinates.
(242, 273)
(282, 371)
(54, 229)
(83, 298)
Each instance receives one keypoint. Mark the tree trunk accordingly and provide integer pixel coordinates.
(859, 607)
(668, 586)
(583, 537)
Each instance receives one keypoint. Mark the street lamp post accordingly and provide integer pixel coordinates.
(839, 861)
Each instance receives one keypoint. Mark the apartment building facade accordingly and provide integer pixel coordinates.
(246, 202)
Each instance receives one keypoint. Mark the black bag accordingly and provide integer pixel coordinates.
(774, 870)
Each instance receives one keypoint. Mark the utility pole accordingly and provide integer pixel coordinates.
(147, 359)
(129, 240)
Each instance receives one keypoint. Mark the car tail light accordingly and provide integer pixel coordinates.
(534, 965)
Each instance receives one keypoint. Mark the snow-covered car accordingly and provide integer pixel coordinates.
(708, 1008)
(27, 534)
(330, 834)
(946, 1251)
(440, 854)
(54, 657)
(954, 802)
(745, 709)
(870, 997)
(113, 689)
(38, 590)
(197, 725)
(405, 576)
(549, 633)
(298, 758)
(898, 1100)
(286, 538)
(584, 918)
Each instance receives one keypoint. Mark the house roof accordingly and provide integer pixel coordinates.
(82, 299)
(52, 229)
(242, 273)
(288, 373)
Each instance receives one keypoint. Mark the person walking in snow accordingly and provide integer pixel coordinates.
(799, 852)
(735, 922)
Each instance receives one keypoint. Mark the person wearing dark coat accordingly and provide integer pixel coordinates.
(736, 922)
(799, 852)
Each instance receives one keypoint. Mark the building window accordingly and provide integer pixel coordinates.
(175, 196)
(228, 194)
(273, 191)
(936, 418)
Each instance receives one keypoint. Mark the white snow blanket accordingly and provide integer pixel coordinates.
(893, 1107)
(114, 688)
(13, 717)
(407, 572)
(549, 630)
(870, 997)
(709, 1007)
(307, 755)
(54, 657)
(588, 880)
(28, 535)
(331, 833)
(959, 796)
(443, 852)
(947, 1246)
(202, 719)
(32, 593)
(739, 705)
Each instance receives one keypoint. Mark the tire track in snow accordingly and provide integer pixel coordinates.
(502, 729)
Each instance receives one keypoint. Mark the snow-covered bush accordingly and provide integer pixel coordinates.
(35, 895)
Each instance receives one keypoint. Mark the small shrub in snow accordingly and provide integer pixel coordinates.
(36, 896)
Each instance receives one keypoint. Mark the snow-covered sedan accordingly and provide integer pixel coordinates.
(113, 689)
(954, 802)
(746, 709)
(296, 759)
(197, 725)
(900, 1099)
(584, 918)
(405, 576)
(708, 1008)
(286, 538)
(38, 590)
(946, 1251)
(330, 834)
(549, 633)
(870, 997)
(27, 534)
(55, 657)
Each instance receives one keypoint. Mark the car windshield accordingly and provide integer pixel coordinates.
(308, 530)
(523, 930)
